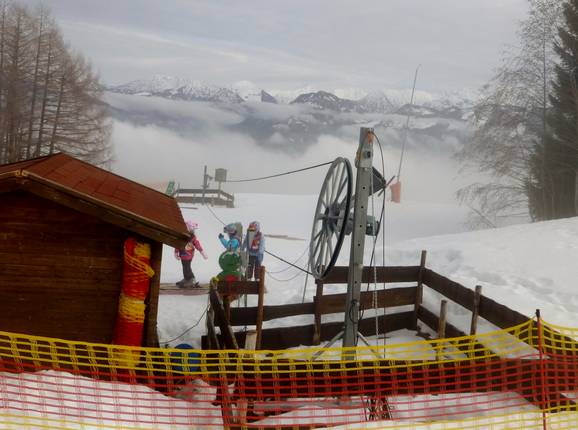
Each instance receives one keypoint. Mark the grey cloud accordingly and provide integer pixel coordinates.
(327, 43)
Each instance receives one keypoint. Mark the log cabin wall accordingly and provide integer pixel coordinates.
(60, 270)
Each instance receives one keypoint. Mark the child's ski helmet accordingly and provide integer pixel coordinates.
(230, 228)
(192, 226)
(254, 226)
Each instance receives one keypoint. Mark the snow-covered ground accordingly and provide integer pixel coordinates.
(525, 267)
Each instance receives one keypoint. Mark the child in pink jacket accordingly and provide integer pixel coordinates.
(186, 256)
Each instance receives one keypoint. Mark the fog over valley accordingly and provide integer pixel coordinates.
(179, 130)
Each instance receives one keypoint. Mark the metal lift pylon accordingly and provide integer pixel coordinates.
(364, 164)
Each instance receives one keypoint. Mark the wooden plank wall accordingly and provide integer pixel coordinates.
(60, 270)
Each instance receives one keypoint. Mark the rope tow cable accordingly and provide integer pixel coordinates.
(279, 174)
(267, 252)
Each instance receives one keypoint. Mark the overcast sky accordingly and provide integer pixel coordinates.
(292, 44)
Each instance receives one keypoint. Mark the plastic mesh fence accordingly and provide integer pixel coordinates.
(524, 377)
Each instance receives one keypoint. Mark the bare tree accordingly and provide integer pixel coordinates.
(50, 99)
(510, 118)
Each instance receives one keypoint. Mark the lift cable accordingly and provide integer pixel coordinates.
(285, 280)
(289, 267)
(270, 253)
(278, 174)
(266, 252)
(287, 262)
(166, 342)
(406, 129)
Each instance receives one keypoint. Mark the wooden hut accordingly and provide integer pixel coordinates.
(63, 223)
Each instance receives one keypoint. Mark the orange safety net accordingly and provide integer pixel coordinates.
(137, 272)
(525, 377)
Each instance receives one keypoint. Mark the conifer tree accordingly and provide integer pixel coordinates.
(555, 193)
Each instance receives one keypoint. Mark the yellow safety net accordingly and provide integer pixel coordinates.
(523, 377)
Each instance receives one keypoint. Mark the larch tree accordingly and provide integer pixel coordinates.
(50, 99)
(510, 119)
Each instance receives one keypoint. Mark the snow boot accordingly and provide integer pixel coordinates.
(191, 283)
(180, 283)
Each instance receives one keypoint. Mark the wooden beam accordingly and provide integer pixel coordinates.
(335, 303)
(289, 337)
(476, 310)
(213, 341)
(227, 335)
(317, 311)
(442, 328)
(259, 324)
(443, 319)
(251, 341)
(248, 316)
(238, 288)
(432, 321)
(338, 275)
(499, 315)
(419, 289)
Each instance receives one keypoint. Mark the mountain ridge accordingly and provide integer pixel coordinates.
(176, 88)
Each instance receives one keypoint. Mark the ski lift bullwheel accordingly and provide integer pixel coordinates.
(331, 216)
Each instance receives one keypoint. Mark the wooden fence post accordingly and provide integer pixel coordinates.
(476, 310)
(317, 305)
(211, 333)
(227, 307)
(222, 319)
(251, 340)
(260, 300)
(442, 327)
(419, 290)
(443, 319)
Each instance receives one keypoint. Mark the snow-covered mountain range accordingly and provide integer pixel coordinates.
(245, 108)
(177, 88)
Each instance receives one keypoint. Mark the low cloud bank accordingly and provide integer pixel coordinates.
(152, 154)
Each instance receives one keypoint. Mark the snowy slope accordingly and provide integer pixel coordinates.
(525, 267)
(290, 216)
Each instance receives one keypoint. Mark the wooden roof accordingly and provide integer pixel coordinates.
(95, 191)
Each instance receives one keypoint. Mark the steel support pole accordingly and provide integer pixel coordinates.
(363, 163)
(204, 185)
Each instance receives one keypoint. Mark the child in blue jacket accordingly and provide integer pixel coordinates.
(233, 243)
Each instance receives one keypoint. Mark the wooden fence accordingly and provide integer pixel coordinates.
(418, 278)
(209, 196)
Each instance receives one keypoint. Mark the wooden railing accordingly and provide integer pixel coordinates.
(421, 277)
(209, 196)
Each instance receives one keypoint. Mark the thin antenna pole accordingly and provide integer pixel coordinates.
(407, 124)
